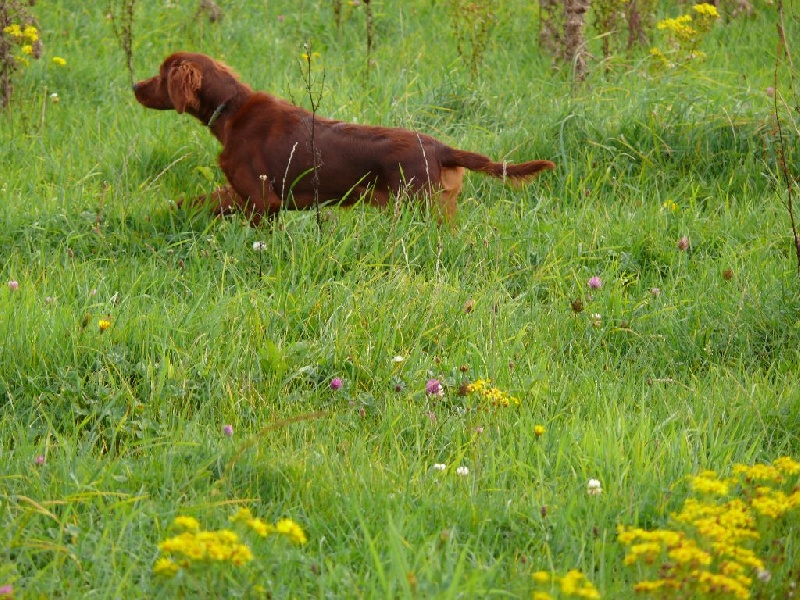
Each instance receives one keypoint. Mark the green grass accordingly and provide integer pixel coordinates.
(205, 331)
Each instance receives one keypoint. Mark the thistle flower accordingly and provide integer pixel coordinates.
(336, 383)
(228, 430)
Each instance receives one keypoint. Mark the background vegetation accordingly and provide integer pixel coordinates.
(684, 358)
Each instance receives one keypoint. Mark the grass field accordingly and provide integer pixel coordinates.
(155, 365)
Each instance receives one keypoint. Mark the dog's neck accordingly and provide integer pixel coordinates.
(215, 112)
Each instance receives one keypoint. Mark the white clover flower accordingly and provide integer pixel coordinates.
(398, 359)
(440, 466)
(594, 488)
(463, 471)
(258, 246)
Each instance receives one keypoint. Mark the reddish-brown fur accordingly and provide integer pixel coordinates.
(267, 147)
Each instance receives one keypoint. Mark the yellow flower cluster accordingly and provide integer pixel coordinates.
(684, 33)
(27, 35)
(709, 548)
(202, 546)
(680, 27)
(285, 527)
(486, 391)
(571, 584)
(194, 546)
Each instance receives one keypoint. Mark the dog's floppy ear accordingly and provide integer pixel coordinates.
(183, 83)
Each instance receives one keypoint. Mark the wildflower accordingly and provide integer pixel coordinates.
(59, 61)
(763, 575)
(258, 246)
(462, 471)
(307, 57)
(186, 523)
(595, 283)
(683, 243)
(228, 430)
(655, 292)
(13, 285)
(538, 430)
(670, 205)
(596, 319)
(479, 429)
(243, 514)
(6, 591)
(291, 529)
(104, 324)
(39, 460)
(336, 383)
(542, 577)
(707, 10)
(434, 388)
(31, 33)
(594, 488)
(27, 49)
(440, 466)
(398, 359)
(260, 527)
(165, 567)
(13, 30)
(770, 91)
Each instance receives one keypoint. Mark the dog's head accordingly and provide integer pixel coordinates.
(186, 82)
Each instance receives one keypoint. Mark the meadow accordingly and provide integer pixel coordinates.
(406, 410)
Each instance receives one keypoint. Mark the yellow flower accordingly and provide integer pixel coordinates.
(787, 465)
(708, 483)
(307, 58)
(31, 33)
(104, 324)
(706, 10)
(187, 523)
(260, 527)
(13, 30)
(27, 49)
(59, 61)
(165, 567)
(243, 514)
(541, 596)
(542, 577)
(291, 529)
(538, 430)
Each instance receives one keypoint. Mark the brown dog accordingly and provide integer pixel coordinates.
(267, 145)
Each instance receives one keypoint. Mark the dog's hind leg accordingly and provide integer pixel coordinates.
(451, 179)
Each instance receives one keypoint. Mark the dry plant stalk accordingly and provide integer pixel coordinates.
(574, 42)
(783, 50)
(211, 9)
(13, 12)
(551, 17)
(122, 26)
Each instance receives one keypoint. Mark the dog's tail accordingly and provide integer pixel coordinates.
(520, 172)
